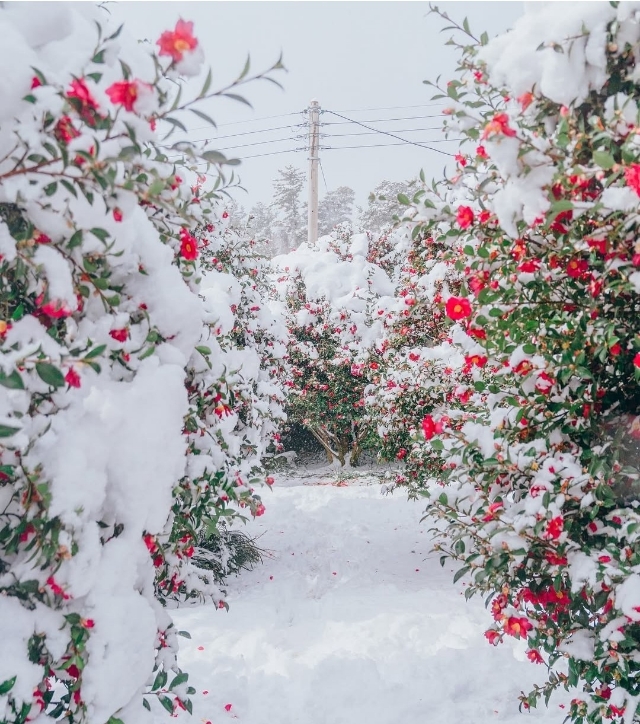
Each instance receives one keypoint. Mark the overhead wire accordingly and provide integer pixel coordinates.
(392, 135)
(381, 145)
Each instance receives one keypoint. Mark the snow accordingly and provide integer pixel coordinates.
(350, 620)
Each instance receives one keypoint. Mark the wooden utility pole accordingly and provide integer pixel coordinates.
(314, 150)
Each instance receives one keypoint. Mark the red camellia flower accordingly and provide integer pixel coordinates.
(492, 636)
(429, 427)
(64, 130)
(577, 268)
(554, 528)
(555, 560)
(517, 626)
(632, 177)
(188, 245)
(458, 308)
(636, 360)
(534, 656)
(600, 245)
(481, 152)
(475, 360)
(260, 510)
(78, 90)
(484, 216)
(530, 266)
(55, 310)
(523, 368)
(499, 124)
(461, 159)
(35, 82)
(525, 100)
(72, 378)
(124, 93)
(464, 217)
(492, 510)
(477, 333)
(117, 215)
(615, 349)
(544, 383)
(120, 335)
(177, 42)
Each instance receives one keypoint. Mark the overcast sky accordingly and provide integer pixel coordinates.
(351, 56)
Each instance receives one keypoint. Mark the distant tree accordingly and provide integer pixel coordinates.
(383, 204)
(237, 215)
(289, 226)
(335, 208)
(260, 225)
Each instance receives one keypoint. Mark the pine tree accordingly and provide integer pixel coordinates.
(383, 204)
(260, 225)
(335, 208)
(289, 226)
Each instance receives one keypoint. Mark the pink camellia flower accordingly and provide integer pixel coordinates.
(636, 360)
(632, 177)
(177, 42)
(464, 217)
(260, 510)
(458, 308)
(535, 656)
(461, 159)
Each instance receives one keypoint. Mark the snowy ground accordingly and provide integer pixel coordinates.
(350, 622)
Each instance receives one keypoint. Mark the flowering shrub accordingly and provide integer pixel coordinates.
(333, 298)
(523, 408)
(115, 458)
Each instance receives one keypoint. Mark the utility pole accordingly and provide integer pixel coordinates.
(314, 150)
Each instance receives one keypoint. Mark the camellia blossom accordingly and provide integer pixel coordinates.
(188, 245)
(517, 626)
(577, 268)
(429, 427)
(465, 217)
(176, 43)
(481, 152)
(458, 308)
(632, 177)
(499, 124)
(120, 335)
(125, 93)
(636, 360)
(554, 528)
(78, 90)
(525, 100)
(72, 378)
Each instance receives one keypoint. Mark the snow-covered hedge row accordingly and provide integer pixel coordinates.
(334, 296)
(137, 384)
(519, 381)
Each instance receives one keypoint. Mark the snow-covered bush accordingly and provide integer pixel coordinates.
(125, 437)
(523, 414)
(333, 296)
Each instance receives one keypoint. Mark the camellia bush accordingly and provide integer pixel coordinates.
(518, 384)
(137, 398)
(334, 296)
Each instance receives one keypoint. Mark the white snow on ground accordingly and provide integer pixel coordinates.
(351, 621)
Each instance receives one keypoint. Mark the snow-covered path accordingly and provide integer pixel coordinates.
(350, 622)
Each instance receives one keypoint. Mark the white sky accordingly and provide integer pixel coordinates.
(348, 55)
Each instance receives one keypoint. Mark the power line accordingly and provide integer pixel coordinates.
(326, 188)
(404, 143)
(392, 135)
(250, 120)
(372, 133)
(388, 108)
(244, 133)
(379, 120)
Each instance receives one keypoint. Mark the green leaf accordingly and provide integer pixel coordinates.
(12, 381)
(603, 159)
(185, 634)
(462, 572)
(246, 68)
(6, 431)
(50, 374)
(102, 234)
(51, 188)
(96, 351)
(204, 117)
(180, 679)
(437, 444)
(7, 685)
(203, 350)
(207, 84)
(75, 240)
(214, 157)
(166, 703)
(404, 200)
(160, 680)
(175, 122)
(156, 187)
(235, 97)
